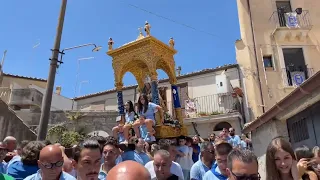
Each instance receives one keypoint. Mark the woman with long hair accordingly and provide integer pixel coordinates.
(144, 126)
(281, 162)
(129, 120)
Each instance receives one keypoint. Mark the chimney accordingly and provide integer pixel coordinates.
(58, 90)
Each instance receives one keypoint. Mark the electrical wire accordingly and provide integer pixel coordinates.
(171, 20)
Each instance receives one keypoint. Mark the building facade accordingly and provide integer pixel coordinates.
(278, 49)
(209, 90)
(278, 55)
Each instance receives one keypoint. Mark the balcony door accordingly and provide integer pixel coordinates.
(295, 65)
(283, 7)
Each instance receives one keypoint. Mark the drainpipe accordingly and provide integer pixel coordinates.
(242, 104)
(256, 57)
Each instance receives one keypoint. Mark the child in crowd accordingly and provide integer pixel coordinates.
(183, 157)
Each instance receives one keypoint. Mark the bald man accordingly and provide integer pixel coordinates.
(50, 163)
(11, 143)
(129, 170)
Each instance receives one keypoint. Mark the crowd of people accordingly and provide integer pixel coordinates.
(132, 153)
(184, 158)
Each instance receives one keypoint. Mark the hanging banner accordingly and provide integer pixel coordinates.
(120, 103)
(175, 96)
(291, 20)
(155, 92)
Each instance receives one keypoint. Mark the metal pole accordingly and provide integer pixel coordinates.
(46, 103)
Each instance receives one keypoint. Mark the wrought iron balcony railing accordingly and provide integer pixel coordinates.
(281, 19)
(294, 76)
(208, 105)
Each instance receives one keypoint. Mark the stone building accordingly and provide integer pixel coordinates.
(209, 90)
(278, 55)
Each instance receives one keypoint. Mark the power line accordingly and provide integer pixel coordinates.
(171, 20)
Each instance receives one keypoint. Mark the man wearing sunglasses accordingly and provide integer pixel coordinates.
(205, 162)
(242, 165)
(50, 163)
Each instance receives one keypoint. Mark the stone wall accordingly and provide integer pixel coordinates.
(11, 125)
(261, 138)
(88, 121)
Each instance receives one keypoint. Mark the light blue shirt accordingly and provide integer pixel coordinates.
(14, 159)
(210, 176)
(121, 137)
(198, 170)
(141, 158)
(129, 117)
(235, 141)
(243, 145)
(102, 175)
(3, 167)
(152, 108)
(37, 176)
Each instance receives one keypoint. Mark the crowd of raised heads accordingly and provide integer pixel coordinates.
(214, 158)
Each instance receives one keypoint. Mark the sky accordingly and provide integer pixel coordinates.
(204, 31)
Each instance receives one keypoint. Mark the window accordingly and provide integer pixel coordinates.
(300, 130)
(267, 60)
(282, 8)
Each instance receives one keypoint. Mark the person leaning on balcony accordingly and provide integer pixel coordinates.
(130, 118)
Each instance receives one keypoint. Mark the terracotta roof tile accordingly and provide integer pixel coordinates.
(24, 77)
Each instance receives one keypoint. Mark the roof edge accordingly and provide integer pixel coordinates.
(25, 77)
(308, 86)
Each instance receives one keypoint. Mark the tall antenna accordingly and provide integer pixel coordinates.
(3, 58)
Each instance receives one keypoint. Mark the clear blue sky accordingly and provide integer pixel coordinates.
(26, 23)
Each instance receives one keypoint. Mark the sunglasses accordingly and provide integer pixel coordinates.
(52, 165)
(245, 177)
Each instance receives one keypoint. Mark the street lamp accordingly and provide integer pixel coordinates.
(80, 85)
(47, 99)
(77, 78)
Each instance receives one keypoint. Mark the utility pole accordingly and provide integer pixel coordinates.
(46, 103)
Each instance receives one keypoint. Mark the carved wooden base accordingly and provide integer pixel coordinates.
(170, 132)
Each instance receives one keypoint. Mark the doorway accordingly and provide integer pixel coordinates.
(294, 62)
(283, 7)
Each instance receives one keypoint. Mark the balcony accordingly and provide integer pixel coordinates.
(291, 26)
(210, 105)
(25, 98)
(295, 76)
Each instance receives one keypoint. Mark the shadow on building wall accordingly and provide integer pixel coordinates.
(12, 125)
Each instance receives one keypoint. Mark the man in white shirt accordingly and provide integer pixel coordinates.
(166, 144)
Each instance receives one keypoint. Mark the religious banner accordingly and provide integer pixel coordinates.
(175, 96)
(190, 108)
(291, 19)
(155, 92)
(120, 103)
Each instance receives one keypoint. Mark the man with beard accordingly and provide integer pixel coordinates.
(110, 153)
(50, 163)
(234, 140)
(129, 170)
(88, 157)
